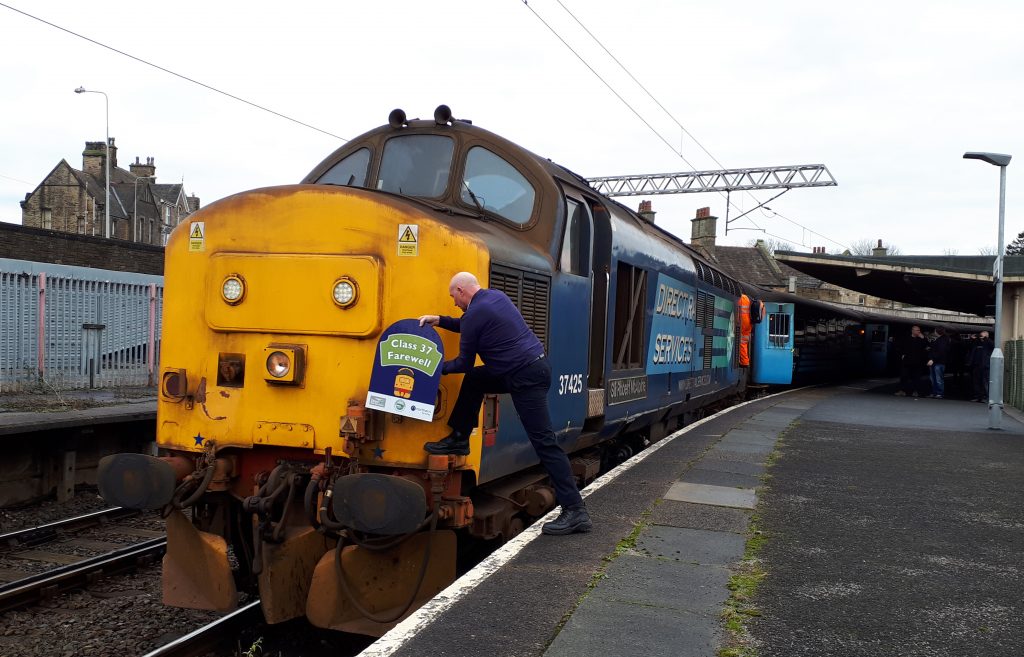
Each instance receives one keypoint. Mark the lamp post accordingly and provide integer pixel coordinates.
(995, 373)
(106, 158)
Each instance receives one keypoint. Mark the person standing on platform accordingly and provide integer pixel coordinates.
(914, 363)
(514, 363)
(980, 360)
(938, 353)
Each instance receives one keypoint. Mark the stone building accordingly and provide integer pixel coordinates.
(72, 200)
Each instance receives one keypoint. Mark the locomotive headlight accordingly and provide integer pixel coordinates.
(286, 364)
(345, 292)
(233, 289)
(278, 364)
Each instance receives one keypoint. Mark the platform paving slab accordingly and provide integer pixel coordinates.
(670, 584)
(684, 491)
(690, 545)
(597, 629)
(701, 516)
(699, 475)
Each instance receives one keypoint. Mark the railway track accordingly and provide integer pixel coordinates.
(52, 531)
(34, 588)
(74, 571)
(211, 636)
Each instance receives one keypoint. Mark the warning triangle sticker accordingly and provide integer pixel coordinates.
(407, 236)
(197, 231)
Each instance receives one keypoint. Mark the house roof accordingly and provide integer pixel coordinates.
(756, 265)
(169, 193)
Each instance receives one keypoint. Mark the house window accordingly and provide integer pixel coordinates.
(47, 218)
(81, 225)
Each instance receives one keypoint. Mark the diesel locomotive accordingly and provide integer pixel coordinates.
(275, 476)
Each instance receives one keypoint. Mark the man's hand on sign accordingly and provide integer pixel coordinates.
(430, 320)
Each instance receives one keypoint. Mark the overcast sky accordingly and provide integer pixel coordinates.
(888, 95)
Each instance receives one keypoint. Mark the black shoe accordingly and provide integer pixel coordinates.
(571, 520)
(454, 443)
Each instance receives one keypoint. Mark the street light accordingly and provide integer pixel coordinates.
(995, 373)
(106, 206)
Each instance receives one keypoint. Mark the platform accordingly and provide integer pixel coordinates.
(886, 526)
(18, 415)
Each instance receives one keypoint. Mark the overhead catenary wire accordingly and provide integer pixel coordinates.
(605, 82)
(665, 110)
(175, 74)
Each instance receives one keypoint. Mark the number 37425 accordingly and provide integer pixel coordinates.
(570, 384)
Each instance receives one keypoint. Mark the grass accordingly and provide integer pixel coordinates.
(623, 546)
(747, 576)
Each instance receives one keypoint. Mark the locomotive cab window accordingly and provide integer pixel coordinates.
(492, 184)
(576, 242)
(416, 165)
(350, 172)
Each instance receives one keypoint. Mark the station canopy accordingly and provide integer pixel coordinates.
(958, 283)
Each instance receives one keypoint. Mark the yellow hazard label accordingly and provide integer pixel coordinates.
(408, 240)
(197, 237)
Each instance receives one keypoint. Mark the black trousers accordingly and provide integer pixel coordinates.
(528, 387)
(979, 382)
(911, 377)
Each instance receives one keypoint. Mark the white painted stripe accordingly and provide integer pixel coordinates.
(425, 615)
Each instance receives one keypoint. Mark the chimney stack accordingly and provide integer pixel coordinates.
(92, 158)
(703, 228)
(147, 170)
(879, 250)
(645, 211)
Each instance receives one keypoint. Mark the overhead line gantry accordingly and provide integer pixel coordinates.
(720, 180)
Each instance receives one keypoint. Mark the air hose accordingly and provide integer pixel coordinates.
(380, 547)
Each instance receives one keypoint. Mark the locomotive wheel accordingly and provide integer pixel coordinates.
(515, 527)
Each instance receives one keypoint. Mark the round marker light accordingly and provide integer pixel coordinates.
(233, 289)
(278, 364)
(345, 292)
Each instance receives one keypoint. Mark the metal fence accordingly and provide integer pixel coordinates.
(1014, 375)
(74, 327)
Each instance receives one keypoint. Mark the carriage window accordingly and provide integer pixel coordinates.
(630, 295)
(416, 165)
(495, 185)
(778, 329)
(350, 172)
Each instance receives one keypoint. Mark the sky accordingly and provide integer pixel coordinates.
(888, 95)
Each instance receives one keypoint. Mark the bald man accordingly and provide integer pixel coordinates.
(514, 363)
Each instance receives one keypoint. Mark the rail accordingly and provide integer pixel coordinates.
(209, 637)
(30, 590)
(38, 535)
